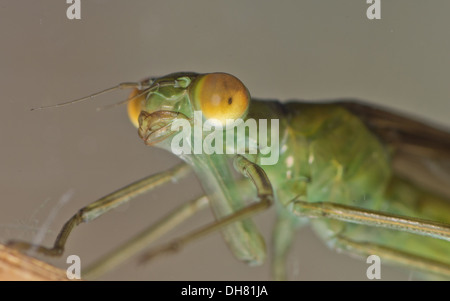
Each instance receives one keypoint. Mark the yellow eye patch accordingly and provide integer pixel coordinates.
(135, 104)
(220, 96)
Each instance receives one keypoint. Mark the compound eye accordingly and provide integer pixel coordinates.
(136, 102)
(221, 96)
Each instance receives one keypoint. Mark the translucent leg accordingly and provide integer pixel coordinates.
(282, 238)
(141, 240)
(264, 193)
(372, 218)
(103, 205)
(395, 256)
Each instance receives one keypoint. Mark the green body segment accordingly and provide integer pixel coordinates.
(329, 155)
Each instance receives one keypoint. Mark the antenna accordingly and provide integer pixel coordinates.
(123, 101)
(119, 86)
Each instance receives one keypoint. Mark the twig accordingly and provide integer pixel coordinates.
(15, 266)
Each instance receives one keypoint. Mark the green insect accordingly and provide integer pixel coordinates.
(339, 167)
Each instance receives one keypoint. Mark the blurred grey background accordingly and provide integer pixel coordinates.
(285, 50)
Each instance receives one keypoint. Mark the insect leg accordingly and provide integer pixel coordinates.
(282, 237)
(144, 238)
(372, 218)
(392, 255)
(264, 193)
(103, 205)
